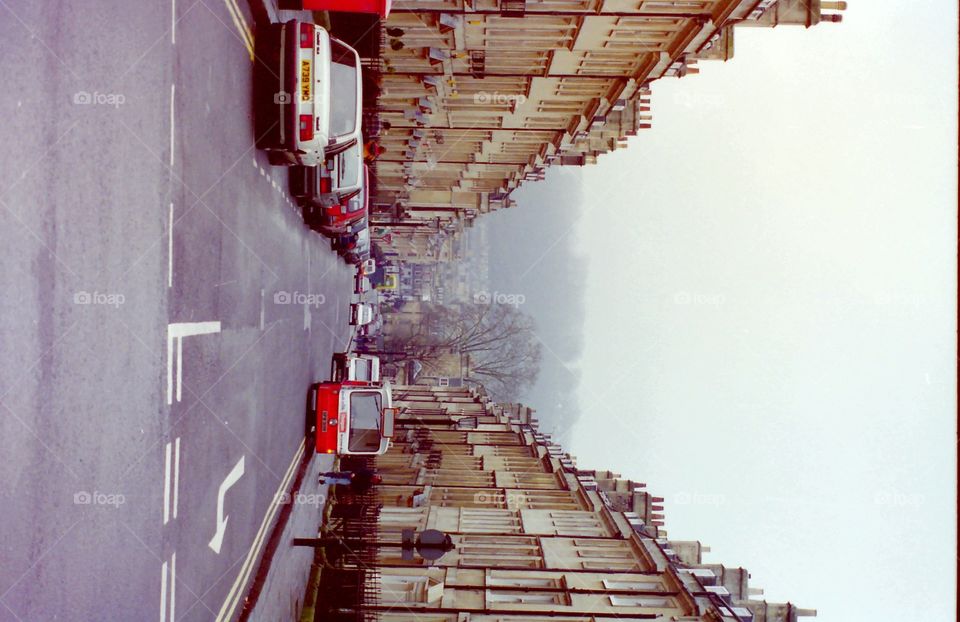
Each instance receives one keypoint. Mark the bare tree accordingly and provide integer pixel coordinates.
(497, 342)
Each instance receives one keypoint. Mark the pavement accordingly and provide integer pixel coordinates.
(163, 310)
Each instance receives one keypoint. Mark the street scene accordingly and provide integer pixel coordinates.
(357, 310)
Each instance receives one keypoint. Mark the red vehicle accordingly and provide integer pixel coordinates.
(350, 418)
(336, 218)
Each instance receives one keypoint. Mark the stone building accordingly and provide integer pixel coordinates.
(536, 538)
(479, 96)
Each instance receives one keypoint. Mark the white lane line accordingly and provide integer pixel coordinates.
(233, 597)
(173, 88)
(175, 334)
(179, 369)
(176, 481)
(262, 307)
(173, 22)
(173, 586)
(232, 478)
(166, 484)
(163, 592)
(170, 248)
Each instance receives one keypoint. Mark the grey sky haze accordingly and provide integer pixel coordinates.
(769, 320)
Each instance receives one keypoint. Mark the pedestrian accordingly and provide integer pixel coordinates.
(359, 481)
(372, 150)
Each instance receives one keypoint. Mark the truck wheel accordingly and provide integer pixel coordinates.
(310, 422)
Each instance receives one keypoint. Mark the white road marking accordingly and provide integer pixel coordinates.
(170, 248)
(173, 586)
(176, 333)
(166, 484)
(233, 596)
(173, 22)
(176, 480)
(235, 474)
(263, 308)
(163, 592)
(173, 88)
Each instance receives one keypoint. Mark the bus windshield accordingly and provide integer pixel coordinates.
(365, 409)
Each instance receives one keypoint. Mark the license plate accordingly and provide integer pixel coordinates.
(305, 80)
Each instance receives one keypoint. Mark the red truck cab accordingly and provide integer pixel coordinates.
(351, 417)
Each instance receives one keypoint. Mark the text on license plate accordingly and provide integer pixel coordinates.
(305, 80)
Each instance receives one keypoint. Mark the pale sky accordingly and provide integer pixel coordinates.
(770, 311)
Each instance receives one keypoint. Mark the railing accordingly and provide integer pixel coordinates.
(350, 582)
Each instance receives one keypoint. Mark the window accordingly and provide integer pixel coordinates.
(344, 76)
(648, 586)
(639, 601)
(364, 421)
(526, 598)
(411, 589)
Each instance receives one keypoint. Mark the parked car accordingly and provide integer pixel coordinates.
(355, 367)
(349, 418)
(339, 218)
(361, 284)
(310, 91)
(373, 328)
(347, 240)
(369, 266)
(331, 182)
(360, 313)
(360, 251)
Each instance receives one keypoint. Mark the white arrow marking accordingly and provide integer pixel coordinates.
(231, 479)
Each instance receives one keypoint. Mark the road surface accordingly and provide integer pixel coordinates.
(163, 310)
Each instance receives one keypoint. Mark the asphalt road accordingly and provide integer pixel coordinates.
(115, 124)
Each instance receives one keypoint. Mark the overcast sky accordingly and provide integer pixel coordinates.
(769, 320)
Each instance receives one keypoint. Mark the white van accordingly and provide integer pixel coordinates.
(355, 368)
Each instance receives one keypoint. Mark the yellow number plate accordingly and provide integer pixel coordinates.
(305, 80)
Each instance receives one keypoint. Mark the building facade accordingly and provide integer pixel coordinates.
(536, 538)
(478, 96)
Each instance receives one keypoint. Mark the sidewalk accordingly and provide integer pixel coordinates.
(277, 589)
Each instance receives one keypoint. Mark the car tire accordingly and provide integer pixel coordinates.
(278, 158)
(310, 421)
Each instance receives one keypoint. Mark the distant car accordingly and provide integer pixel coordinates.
(361, 284)
(349, 418)
(360, 251)
(373, 328)
(360, 313)
(310, 89)
(355, 367)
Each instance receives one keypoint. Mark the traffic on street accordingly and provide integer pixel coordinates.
(168, 303)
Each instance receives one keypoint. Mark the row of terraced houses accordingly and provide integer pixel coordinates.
(479, 96)
(536, 537)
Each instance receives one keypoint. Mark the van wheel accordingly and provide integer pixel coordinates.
(278, 158)
(310, 422)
